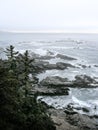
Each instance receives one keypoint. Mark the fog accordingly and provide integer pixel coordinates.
(49, 15)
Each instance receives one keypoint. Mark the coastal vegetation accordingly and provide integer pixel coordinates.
(22, 94)
(19, 108)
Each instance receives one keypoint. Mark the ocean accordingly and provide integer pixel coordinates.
(83, 47)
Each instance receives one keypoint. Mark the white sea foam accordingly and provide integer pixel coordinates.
(61, 102)
(84, 47)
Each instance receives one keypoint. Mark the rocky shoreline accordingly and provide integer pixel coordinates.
(52, 86)
(72, 120)
(66, 119)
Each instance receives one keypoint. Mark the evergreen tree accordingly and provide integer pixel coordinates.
(26, 71)
(9, 99)
(11, 54)
(18, 112)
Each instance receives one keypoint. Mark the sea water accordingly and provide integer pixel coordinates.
(83, 47)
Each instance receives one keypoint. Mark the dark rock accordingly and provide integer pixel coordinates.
(70, 112)
(50, 66)
(77, 108)
(62, 66)
(81, 108)
(95, 65)
(45, 90)
(83, 122)
(55, 92)
(58, 66)
(95, 116)
(43, 65)
(45, 104)
(84, 78)
(83, 81)
(46, 57)
(85, 109)
(55, 82)
(83, 66)
(40, 66)
(64, 57)
(80, 81)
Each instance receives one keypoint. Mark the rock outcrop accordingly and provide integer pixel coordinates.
(80, 81)
(55, 81)
(64, 57)
(46, 91)
(84, 81)
(76, 121)
(44, 65)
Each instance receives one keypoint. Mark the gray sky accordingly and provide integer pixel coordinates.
(49, 15)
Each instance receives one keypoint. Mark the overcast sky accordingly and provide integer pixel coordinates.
(49, 15)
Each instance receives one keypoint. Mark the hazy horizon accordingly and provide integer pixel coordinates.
(42, 31)
(54, 16)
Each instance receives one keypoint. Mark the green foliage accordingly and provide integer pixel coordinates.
(18, 109)
(8, 97)
(26, 62)
(11, 54)
(27, 65)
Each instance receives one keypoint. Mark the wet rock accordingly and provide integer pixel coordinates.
(95, 116)
(85, 109)
(80, 81)
(64, 57)
(45, 90)
(55, 81)
(84, 78)
(46, 106)
(77, 108)
(50, 66)
(44, 65)
(70, 112)
(54, 86)
(50, 55)
(58, 66)
(56, 92)
(45, 57)
(95, 65)
(83, 81)
(39, 65)
(84, 66)
(62, 66)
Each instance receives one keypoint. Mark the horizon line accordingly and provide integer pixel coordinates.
(48, 31)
